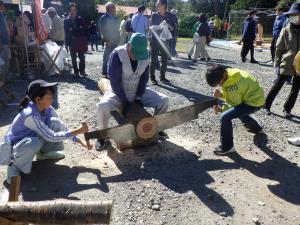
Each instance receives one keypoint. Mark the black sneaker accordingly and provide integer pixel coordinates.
(83, 73)
(287, 115)
(243, 60)
(190, 57)
(101, 144)
(163, 135)
(164, 80)
(202, 59)
(76, 73)
(220, 151)
(208, 59)
(253, 61)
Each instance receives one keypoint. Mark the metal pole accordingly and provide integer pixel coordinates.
(23, 29)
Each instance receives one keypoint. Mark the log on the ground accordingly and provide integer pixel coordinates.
(58, 212)
(14, 189)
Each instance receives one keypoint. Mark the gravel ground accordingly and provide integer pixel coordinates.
(178, 181)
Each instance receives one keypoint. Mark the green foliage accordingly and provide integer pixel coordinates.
(186, 24)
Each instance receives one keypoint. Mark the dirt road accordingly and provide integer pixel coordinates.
(178, 181)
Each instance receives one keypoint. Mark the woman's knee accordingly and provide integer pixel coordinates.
(56, 124)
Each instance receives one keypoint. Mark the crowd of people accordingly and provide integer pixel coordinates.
(36, 130)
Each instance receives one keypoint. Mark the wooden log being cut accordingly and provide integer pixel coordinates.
(145, 124)
(57, 212)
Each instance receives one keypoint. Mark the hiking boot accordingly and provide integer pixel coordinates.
(287, 115)
(189, 57)
(164, 80)
(12, 171)
(50, 155)
(294, 141)
(220, 151)
(101, 144)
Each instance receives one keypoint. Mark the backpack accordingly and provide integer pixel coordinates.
(128, 27)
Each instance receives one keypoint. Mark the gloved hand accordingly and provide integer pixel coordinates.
(139, 102)
(126, 106)
(277, 70)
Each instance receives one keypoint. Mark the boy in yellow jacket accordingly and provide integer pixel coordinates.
(242, 96)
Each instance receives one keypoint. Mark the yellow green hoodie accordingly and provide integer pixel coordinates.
(240, 87)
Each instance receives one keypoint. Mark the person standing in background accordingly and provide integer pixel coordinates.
(57, 32)
(217, 26)
(162, 16)
(47, 20)
(277, 27)
(128, 27)
(93, 36)
(123, 35)
(287, 47)
(248, 37)
(109, 28)
(140, 22)
(195, 38)
(173, 41)
(76, 37)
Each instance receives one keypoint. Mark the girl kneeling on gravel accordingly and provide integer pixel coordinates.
(242, 96)
(36, 130)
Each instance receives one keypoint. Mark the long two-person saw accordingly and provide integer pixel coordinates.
(140, 128)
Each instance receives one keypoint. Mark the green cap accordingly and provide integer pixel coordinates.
(139, 45)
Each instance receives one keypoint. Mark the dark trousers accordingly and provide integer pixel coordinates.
(290, 102)
(273, 48)
(81, 57)
(94, 41)
(156, 48)
(247, 46)
(241, 112)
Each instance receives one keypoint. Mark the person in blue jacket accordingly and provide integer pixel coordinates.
(277, 27)
(35, 131)
(248, 37)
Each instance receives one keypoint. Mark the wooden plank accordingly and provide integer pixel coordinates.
(14, 189)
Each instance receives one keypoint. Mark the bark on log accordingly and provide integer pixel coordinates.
(14, 189)
(58, 212)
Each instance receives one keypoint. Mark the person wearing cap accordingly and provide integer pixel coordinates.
(277, 27)
(76, 39)
(35, 131)
(248, 37)
(287, 46)
(140, 22)
(162, 16)
(57, 32)
(109, 27)
(128, 71)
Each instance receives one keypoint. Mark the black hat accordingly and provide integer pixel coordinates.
(252, 12)
(163, 2)
(36, 86)
(295, 9)
(141, 8)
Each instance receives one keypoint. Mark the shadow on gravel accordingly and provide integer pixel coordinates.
(276, 168)
(295, 119)
(190, 95)
(174, 167)
(184, 64)
(49, 181)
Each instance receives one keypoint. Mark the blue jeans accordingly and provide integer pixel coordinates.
(25, 150)
(107, 51)
(241, 112)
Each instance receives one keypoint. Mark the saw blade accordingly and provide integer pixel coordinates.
(119, 134)
(179, 116)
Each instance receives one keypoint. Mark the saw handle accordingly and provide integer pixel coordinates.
(87, 141)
